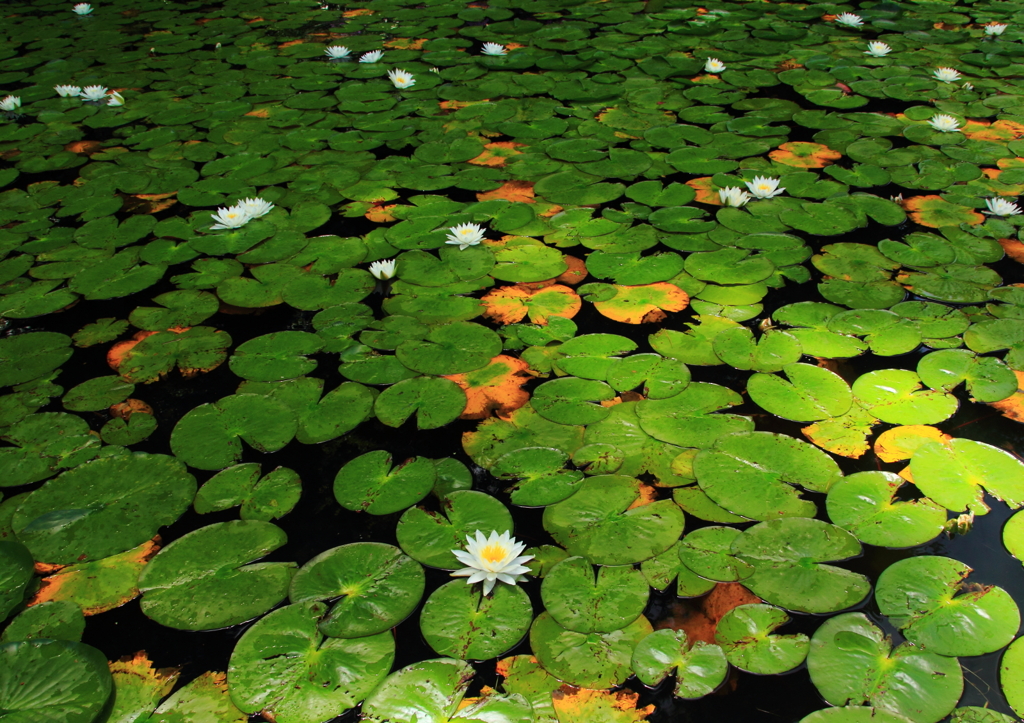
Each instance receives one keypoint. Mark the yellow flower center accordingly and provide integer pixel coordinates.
(493, 553)
(764, 187)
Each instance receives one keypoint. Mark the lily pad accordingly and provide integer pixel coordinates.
(957, 474)
(868, 505)
(699, 667)
(896, 396)
(375, 587)
(581, 602)
(429, 537)
(810, 394)
(919, 596)
(368, 483)
(204, 579)
(745, 635)
(284, 667)
(53, 680)
(459, 621)
(594, 660)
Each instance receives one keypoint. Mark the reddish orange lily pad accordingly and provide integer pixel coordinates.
(1000, 131)
(582, 705)
(1013, 407)
(935, 212)
(644, 304)
(406, 43)
(381, 214)
(128, 407)
(899, 443)
(496, 388)
(706, 190)
(136, 673)
(515, 191)
(357, 12)
(511, 304)
(497, 154)
(801, 154)
(1013, 248)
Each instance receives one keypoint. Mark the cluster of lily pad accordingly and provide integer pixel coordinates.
(663, 166)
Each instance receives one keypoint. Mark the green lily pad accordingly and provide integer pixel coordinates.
(450, 349)
(745, 635)
(369, 484)
(589, 660)
(699, 667)
(867, 504)
(787, 556)
(661, 378)
(17, 572)
(54, 620)
(988, 379)
(98, 393)
(204, 579)
(434, 401)
(276, 356)
(1011, 673)
(53, 680)
(459, 621)
(44, 444)
(810, 394)
(29, 356)
(581, 602)
(919, 596)
(539, 474)
(754, 474)
(708, 552)
(523, 260)
(262, 498)
(896, 396)
(429, 537)
(375, 586)
(572, 401)
(771, 353)
(689, 419)
(87, 514)
(664, 569)
(852, 662)
(284, 667)
(596, 522)
(210, 436)
(854, 713)
(957, 474)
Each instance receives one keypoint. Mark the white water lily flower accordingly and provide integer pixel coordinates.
(946, 75)
(401, 78)
(995, 28)
(383, 270)
(10, 103)
(337, 52)
(372, 57)
(82, 8)
(763, 187)
(233, 217)
(968, 86)
(465, 234)
(255, 207)
(115, 99)
(1001, 207)
(494, 49)
(850, 20)
(944, 123)
(878, 49)
(733, 196)
(714, 65)
(490, 559)
(93, 93)
(68, 91)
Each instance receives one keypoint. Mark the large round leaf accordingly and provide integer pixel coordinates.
(434, 401)
(866, 504)
(599, 522)
(16, 572)
(453, 348)
(202, 581)
(811, 393)
(708, 552)
(745, 635)
(896, 396)
(369, 484)
(753, 474)
(594, 660)
(540, 474)
(1011, 675)
(699, 667)
(430, 537)
(919, 595)
(375, 586)
(957, 474)
(688, 420)
(852, 662)
(580, 601)
(88, 512)
(52, 681)
(572, 401)
(457, 620)
(284, 668)
(24, 357)
(276, 356)
(787, 556)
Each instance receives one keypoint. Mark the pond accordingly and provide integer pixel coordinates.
(550, 361)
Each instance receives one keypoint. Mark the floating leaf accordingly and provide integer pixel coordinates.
(368, 483)
(896, 396)
(580, 602)
(642, 304)
(57, 680)
(810, 394)
(744, 633)
(496, 388)
(430, 537)
(957, 474)
(459, 621)
(510, 304)
(594, 660)
(699, 667)
(867, 504)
